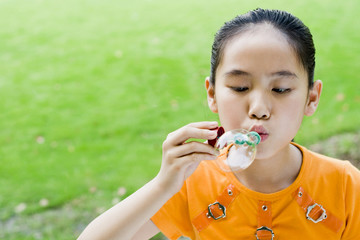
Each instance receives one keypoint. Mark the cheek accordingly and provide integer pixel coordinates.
(294, 109)
(231, 109)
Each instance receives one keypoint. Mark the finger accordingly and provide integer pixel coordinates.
(194, 147)
(204, 124)
(199, 131)
(195, 158)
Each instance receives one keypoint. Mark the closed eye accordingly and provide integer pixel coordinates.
(240, 89)
(281, 90)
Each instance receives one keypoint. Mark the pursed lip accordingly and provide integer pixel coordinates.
(261, 131)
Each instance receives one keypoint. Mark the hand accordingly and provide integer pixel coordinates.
(181, 158)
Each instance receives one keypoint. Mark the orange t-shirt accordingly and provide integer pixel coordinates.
(331, 183)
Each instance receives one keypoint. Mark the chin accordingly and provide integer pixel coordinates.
(264, 151)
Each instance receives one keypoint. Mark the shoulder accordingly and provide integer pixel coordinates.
(329, 172)
(319, 163)
(343, 168)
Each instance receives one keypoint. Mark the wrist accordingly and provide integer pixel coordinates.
(165, 187)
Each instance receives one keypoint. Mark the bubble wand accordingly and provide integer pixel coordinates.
(237, 148)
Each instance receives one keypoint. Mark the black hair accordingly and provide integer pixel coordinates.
(297, 34)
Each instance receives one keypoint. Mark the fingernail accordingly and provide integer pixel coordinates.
(214, 123)
(212, 134)
(215, 153)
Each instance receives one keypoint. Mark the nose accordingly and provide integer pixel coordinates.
(259, 106)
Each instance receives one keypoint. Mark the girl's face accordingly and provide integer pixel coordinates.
(261, 86)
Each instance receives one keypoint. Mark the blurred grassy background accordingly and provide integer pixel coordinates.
(90, 89)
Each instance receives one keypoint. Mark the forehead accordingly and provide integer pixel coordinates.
(261, 49)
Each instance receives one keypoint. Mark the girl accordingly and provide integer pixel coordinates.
(262, 70)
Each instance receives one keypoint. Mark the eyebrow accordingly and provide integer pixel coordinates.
(236, 72)
(284, 74)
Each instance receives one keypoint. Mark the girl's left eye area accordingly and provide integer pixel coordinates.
(281, 90)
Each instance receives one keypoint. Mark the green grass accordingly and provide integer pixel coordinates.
(90, 89)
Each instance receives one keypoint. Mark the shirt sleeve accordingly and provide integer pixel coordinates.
(173, 218)
(352, 202)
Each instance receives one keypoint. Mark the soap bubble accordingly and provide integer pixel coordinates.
(237, 149)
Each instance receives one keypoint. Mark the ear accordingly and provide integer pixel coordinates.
(210, 89)
(313, 98)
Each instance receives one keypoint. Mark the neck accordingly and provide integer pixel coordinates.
(274, 174)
